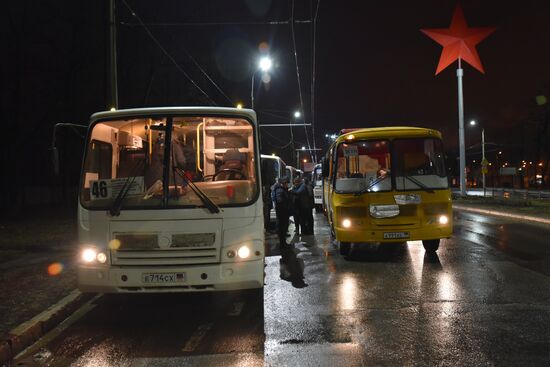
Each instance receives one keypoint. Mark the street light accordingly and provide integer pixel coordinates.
(483, 160)
(297, 114)
(264, 65)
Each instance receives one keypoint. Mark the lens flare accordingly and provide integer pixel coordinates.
(55, 269)
(263, 47)
(114, 244)
(266, 78)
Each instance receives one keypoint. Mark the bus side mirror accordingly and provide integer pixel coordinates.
(55, 161)
(324, 168)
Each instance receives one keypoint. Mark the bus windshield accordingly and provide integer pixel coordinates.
(152, 162)
(368, 166)
(363, 166)
(419, 164)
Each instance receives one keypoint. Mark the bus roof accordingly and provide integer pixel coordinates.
(274, 157)
(199, 110)
(390, 132)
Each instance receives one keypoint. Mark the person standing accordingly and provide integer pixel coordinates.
(282, 207)
(307, 207)
(305, 203)
(296, 209)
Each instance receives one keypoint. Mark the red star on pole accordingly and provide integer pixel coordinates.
(459, 41)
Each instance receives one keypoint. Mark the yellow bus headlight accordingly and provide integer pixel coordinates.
(443, 219)
(346, 223)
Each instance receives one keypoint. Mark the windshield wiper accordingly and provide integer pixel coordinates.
(419, 184)
(371, 185)
(117, 204)
(209, 204)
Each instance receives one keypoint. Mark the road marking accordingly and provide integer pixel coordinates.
(502, 214)
(237, 308)
(197, 337)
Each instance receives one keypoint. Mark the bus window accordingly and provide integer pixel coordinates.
(216, 154)
(419, 164)
(363, 165)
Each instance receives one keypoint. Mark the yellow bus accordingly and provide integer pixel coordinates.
(387, 184)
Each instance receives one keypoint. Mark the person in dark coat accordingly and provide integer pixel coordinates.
(282, 208)
(296, 210)
(305, 202)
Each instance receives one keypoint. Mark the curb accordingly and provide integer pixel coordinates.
(502, 214)
(30, 331)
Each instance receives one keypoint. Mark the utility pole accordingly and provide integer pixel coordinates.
(113, 93)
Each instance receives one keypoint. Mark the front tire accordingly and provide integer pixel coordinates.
(344, 248)
(431, 245)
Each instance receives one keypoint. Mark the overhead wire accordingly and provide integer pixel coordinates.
(277, 139)
(298, 72)
(314, 41)
(204, 24)
(166, 53)
(207, 76)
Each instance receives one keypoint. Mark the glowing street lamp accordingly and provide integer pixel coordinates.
(297, 114)
(264, 65)
(484, 162)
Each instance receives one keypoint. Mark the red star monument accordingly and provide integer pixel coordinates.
(458, 41)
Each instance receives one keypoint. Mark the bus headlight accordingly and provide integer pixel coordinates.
(443, 219)
(244, 252)
(346, 223)
(101, 257)
(88, 255)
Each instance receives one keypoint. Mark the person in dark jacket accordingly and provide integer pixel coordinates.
(282, 207)
(295, 210)
(305, 203)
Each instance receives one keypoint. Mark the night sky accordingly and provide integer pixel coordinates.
(373, 68)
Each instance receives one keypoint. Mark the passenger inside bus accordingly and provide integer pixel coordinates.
(233, 166)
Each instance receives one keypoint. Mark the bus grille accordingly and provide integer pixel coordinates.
(183, 249)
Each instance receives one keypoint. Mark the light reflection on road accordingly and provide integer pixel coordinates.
(416, 253)
(348, 293)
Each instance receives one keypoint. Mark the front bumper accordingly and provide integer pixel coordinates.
(377, 235)
(219, 277)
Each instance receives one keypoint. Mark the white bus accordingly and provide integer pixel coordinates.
(291, 174)
(317, 181)
(273, 168)
(170, 201)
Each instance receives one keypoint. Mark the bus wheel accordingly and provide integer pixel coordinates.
(430, 245)
(345, 248)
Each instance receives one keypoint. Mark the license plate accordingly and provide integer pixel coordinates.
(163, 278)
(396, 235)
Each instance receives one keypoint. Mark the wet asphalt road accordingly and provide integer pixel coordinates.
(484, 300)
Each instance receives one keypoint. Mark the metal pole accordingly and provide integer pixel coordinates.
(252, 91)
(113, 63)
(297, 159)
(462, 148)
(483, 158)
